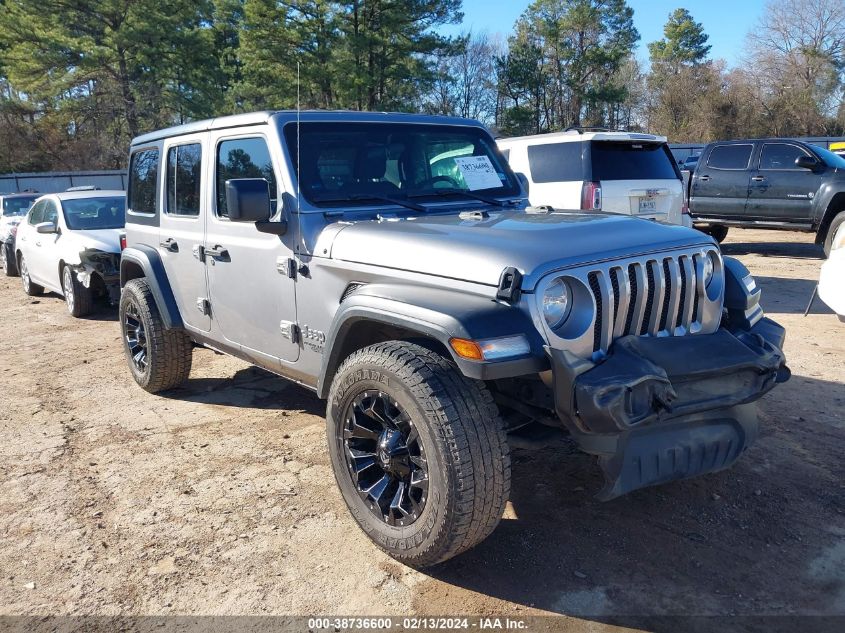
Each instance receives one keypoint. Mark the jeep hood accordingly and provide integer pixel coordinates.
(478, 250)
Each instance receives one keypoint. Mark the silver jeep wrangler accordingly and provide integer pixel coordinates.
(392, 264)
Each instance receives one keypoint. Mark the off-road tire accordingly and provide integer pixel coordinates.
(169, 351)
(30, 288)
(718, 232)
(78, 298)
(7, 255)
(835, 225)
(465, 446)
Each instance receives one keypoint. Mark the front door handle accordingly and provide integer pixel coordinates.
(704, 178)
(219, 253)
(758, 178)
(170, 245)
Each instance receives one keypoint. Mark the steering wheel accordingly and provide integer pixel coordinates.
(435, 179)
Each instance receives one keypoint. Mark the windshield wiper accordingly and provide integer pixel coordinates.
(460, 192)
(365, 197)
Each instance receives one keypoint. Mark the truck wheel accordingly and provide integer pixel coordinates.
(32, 289)
(8, 257)
(718, 232)
(835, 225)
(418, 451)
(158, 358)
(78, 298)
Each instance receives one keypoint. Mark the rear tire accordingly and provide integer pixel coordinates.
(158, 358)
(835, 225)
(7, 255)
(30, 288)
(79, 299)
(404, 412)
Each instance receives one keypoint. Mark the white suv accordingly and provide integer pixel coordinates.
(590, 169)
(70, 244)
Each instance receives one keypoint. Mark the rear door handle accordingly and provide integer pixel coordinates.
(758, 178)
(170, 245)
(704, 178)
(219, 253)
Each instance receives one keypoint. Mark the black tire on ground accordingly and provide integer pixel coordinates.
(30, 288)
(718, 232)
(835, 225)
(158, 358)
(7, 255)
(78, 298)
(461, 448)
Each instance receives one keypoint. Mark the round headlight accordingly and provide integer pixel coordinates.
(709, 268)
(557, 302)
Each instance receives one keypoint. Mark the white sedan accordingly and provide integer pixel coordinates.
(70, 244)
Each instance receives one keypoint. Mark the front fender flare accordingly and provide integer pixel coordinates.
(439, 314)
(149, 261)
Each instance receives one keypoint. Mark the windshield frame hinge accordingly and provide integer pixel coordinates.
(510, 285)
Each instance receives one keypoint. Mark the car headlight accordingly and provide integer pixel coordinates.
(709, 268)
(557, 303)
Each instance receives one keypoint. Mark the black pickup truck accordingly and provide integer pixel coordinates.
(770, 184)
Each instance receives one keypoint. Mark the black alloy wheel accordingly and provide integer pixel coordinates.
(385, 458)
(135, 337)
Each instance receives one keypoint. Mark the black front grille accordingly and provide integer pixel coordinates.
(680, 318)
(649, 304)
(632, 277)
(596, 289)
(667, 295)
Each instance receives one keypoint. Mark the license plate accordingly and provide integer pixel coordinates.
(648, 205)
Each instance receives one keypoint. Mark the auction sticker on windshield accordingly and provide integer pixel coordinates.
(478, 172)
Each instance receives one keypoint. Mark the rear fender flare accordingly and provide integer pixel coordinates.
(145, 261)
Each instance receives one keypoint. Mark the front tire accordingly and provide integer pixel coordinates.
(418, 451)
(717, 231)
(835, 225)
(79, 299)
(7, 256)
(30, 288)
(158, 358)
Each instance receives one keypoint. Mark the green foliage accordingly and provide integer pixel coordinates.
(578, 46)
(684, 41)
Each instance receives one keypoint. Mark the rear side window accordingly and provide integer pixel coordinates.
(730, 156)
(780, 156)
(555, 162)
(143, 178)
(242, 158)
(632, 161)
(184, 164)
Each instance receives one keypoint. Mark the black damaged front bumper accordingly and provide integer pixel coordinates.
(659, 409)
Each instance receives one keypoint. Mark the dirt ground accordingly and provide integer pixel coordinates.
(218, 498)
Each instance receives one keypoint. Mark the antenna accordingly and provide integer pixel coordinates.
(298, 143)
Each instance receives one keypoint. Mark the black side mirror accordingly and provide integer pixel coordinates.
(248, 200)
(523, 180)
(807, 162)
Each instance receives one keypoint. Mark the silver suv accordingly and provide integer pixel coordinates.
(391, 264)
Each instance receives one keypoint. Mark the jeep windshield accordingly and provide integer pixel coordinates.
(342, 164)
(89, 214)
(17, 206)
